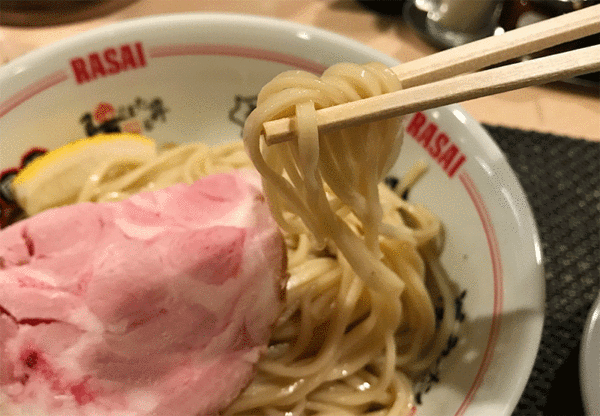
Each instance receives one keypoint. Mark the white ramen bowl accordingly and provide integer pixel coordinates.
(590, 361)
(180, 78)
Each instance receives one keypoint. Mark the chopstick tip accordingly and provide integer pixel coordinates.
(279, 131)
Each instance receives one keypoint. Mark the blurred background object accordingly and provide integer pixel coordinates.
(518, 13)
(450, 23)
(389, 7)
(54, 12)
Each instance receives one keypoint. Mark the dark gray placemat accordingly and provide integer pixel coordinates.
(561, 177)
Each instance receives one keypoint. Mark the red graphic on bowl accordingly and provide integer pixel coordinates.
(9, 209)
(137, 117)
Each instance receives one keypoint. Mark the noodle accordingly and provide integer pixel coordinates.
(382, 321)
(359, 323)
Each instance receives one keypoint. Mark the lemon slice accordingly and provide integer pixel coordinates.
(57, 177)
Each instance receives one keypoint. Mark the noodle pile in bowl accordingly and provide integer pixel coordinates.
(359, 326)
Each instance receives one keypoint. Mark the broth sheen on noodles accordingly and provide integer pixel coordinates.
(359, 325)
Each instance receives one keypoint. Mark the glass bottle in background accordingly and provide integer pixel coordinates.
(449, 23)
(520, 13)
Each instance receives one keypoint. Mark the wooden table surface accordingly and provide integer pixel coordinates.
(554, 109)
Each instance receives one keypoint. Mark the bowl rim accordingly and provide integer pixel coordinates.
(21, 62)
(589, 361)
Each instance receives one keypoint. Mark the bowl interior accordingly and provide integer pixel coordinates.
(183, 78)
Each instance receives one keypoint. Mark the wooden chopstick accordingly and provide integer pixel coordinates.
(444, 92)
(496, 49)
(467, 58)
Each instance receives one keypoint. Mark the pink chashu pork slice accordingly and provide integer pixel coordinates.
(157, 305)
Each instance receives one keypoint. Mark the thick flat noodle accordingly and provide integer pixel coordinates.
(359, 317)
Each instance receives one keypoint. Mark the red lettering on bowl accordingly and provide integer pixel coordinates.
(437, 143)
(110, 61)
